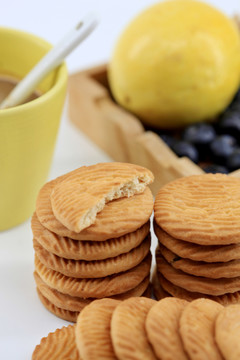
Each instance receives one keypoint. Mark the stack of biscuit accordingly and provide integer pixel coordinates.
(91, 236)
(142, 328)
(197, 223)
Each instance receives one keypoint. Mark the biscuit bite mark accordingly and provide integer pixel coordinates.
(77, 200)
(118, 217)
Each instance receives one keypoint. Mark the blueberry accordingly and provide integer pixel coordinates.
(214, 169)
(221, 148)
(183, 148)
(200, 135)
(235, 106)
(229, 123)
(168, 139)
(233, 162)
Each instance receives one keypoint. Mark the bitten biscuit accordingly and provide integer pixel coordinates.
(77, 199)
(58, 345)
(162, 326)
(128, 333)
(197, 324)
(91, 236)
(117, 218)
(202, 209)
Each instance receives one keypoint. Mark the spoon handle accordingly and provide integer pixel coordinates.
(50, 61)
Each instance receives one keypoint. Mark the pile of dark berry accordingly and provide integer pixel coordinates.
(214, 147)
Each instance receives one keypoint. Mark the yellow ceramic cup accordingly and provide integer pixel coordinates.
(27, 132)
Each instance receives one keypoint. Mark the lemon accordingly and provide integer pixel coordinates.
(176, 63)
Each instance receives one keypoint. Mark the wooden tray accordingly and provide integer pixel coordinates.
(119, 133)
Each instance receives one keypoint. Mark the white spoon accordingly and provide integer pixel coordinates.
(50, 61)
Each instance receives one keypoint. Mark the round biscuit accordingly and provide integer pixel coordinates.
(197, 323)
(227, 332)
(86, 250)
(128, 332)
(176, 291)
(58, 345)
(93, 336)
(97, 288)
(55, 310)
(162, 326)
(202, 209)
(229, 269)
(74, 303)
(78, 198)
(196, 283)
(93, 269)
(206, 253)
(118, 217)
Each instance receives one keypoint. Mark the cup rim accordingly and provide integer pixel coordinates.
(61, 71)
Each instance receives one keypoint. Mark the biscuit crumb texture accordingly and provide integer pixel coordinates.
(78, 199)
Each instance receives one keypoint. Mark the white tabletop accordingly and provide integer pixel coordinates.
(24, 321)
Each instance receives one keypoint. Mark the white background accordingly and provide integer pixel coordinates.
(23, 320)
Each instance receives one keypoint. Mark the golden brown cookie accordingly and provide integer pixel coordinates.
(197, 324)
(98, 288)
(59, 312)
(227, 332)
(74, 303)
(77, 199)
(218, 270)
(93, 269)
(118, 218)
(162, 326)
(93, 336)
(60, 300)
(58, 345)
(196, 283)
(174, 290)
(128, 332)
(202, 209)
(87, 250)
(207, 253)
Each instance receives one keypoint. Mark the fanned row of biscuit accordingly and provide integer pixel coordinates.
(142, 328)
(91, 236)
(197, 223)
